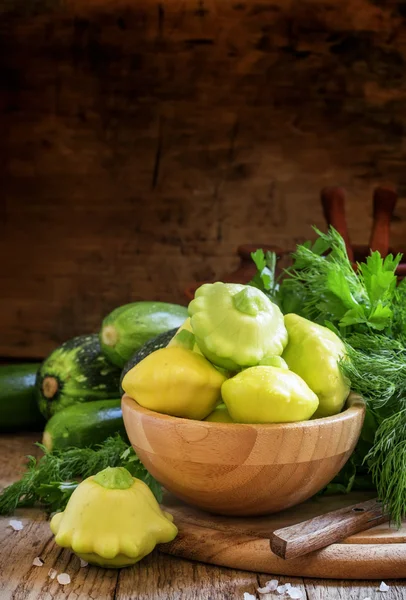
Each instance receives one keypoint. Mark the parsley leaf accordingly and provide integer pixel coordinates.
(365, 305)
(265, 278)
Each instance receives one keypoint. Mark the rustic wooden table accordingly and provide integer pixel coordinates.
(158, 576)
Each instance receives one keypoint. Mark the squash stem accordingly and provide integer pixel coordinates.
(50, 386)
(114, 478)
(249, 301)
(109, 335)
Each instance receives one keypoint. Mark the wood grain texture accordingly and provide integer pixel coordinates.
(14, 449)
(142, 142)
(324, 530)
(244, 542)
(158, 577)
(237, 469)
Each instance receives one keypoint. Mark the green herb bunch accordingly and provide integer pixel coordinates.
(52, 479)
(366, 307)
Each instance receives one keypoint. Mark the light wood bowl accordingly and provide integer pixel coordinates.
(235, 469)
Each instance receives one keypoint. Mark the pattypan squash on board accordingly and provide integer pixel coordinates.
(112, 520)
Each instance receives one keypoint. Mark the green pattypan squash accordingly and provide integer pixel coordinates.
(236, 325)
(313, 352)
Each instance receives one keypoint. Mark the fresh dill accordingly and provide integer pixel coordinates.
(366, 307)
(51, 479)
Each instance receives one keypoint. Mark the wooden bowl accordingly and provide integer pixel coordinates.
(235, 469)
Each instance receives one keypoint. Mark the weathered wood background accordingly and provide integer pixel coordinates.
(141, 142)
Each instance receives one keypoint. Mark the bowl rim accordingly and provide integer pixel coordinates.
(352, 407)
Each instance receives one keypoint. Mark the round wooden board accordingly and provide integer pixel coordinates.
(244, 543)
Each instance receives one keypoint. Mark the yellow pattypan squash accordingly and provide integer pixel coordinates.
(220, 415)
(268, 395)
(112, 520)
(175, 381)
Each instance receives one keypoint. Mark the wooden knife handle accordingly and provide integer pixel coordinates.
(384, 204)
(333, 203)
(316, 533)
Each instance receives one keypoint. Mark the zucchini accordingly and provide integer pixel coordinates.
(75, 372)
(158, 342)
(129, 327)
(18, 406)
(83, 425)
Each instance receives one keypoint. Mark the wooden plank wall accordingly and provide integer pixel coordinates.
(141, 142)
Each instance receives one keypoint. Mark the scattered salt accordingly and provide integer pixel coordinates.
(281, 589)
(52, 573)
(83, 563)
(294, 592)
(16, 525)
(37, 562)
(63, 578)
(272, 584)
(248, 596)
(383, 587)
(263, 590)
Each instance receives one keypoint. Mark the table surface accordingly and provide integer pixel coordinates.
(158, 576)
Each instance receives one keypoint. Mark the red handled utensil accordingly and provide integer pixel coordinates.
(333, 203)
(383, 206)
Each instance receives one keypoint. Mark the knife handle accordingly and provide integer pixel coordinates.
(302, 538)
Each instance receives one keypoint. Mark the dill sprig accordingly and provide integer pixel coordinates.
(326, 285)
(387, 464)
(51, 480)
(376, 367)
(366, 307)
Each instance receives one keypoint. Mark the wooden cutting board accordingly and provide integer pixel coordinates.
(244, 543)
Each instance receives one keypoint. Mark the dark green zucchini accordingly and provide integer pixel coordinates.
(18, 407)
(83, 425)
(76, 372)
(158, 342)
(129, 327)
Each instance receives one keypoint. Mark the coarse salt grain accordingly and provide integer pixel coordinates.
(248, 596)
(52, 573)
(272, 584)
(383, 587)
(263, 590)
(281, 589)
(294, 592)
(63, 578)
(37, 562)
(16, 525)
(367, 598)
(83, 563)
